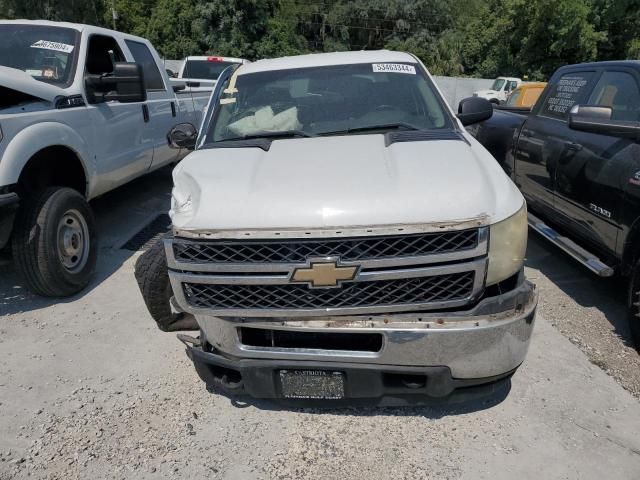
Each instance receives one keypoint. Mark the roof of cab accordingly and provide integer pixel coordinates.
(217, 57)
(75, 26)
(526, 85)
(326, 59)
(603, 64)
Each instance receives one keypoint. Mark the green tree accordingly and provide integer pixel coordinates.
(170, 28)
(531, 37)
(80, 11)
(133, 15)
(621, 19)
(232, 27)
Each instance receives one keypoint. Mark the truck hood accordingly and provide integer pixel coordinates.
(343, 181)
(23, 82)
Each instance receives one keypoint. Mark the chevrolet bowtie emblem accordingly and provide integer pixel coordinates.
(323, 274)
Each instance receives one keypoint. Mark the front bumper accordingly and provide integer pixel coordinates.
(8, 207)
(451, 350)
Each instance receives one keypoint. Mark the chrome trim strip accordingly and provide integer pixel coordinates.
(377, 263)
(476, 265)
(479, 266)
(335, 232)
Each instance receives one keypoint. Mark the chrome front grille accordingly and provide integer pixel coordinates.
(380, 293)
(393, 273)
(347, 249)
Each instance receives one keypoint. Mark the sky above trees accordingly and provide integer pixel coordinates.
(484, 38)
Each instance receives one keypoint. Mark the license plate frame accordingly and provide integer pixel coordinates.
(311, 384)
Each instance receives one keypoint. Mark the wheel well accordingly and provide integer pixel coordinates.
(53, 166)
(631, 252)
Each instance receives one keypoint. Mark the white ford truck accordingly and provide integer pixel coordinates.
(339, 236)
(82, 111)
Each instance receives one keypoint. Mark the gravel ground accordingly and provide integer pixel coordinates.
(89, 388)
(589, 311)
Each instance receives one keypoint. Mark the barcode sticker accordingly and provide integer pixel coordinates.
(393, 68)
(55, 46)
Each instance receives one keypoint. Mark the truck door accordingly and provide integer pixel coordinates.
(161, 103)
(123, 145)
(590, 183)
(545, 139)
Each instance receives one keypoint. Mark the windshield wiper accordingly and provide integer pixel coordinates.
(267, 134)
(383, 126)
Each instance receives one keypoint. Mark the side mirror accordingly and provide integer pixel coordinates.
(474, 110)
(183, 135)
(595, 119)
(125, 84)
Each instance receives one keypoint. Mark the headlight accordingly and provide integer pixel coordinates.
(507, 246)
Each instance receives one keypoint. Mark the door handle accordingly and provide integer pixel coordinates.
(145, 113)
(574, 147)
(173, 109)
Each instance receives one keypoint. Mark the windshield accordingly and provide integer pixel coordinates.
(497, 84)
(209, 69)
(46, 53)
(327, 100)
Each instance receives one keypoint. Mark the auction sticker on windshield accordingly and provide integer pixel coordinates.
(393, 68)
(55, 46)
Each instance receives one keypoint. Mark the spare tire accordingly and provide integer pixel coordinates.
(153, 280)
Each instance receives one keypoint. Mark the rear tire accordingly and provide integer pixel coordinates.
(54, 242)
(633, 306)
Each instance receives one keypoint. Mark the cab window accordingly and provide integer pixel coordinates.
(142, 55)
(101, 53)
(618, 90)
(565, 92)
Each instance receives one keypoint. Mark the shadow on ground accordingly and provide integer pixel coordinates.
(120, 214)
(608, 295)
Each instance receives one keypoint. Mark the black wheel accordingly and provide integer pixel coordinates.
(54, 242)
(153, 280)
(495, 101)
(633, 304)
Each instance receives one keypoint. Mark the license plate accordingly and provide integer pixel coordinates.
(312, 384)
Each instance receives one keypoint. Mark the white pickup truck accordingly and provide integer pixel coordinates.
(499, 90)
(202, 72)
(339, 236)
(82, 111)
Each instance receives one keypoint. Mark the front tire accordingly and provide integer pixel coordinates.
(633, 306)
(54, 242)
(153, 280)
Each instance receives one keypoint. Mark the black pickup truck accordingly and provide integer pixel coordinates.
(576, 158)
